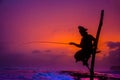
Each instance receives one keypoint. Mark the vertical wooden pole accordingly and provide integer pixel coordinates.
(96, 43)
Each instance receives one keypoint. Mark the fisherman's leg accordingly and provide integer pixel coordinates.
(85, 63)
(78, 56)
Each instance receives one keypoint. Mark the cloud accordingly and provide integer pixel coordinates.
(114, 54)
(36, 52)
(113, 57)
(112, 45)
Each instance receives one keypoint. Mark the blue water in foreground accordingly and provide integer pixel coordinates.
(10, 74)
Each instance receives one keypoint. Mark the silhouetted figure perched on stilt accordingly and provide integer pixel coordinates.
(86, 45)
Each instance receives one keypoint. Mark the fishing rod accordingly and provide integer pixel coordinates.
(42, 42)
(46, 42)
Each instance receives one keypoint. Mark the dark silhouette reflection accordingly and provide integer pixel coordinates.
(86, 45)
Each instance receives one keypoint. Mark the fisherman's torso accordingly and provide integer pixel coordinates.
(86, 43)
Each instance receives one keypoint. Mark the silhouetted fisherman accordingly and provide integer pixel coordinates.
(86, 45)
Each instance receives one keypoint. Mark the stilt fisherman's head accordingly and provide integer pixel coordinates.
(82, 30)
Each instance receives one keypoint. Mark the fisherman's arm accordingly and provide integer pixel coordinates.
(93, 39)
(77, 45)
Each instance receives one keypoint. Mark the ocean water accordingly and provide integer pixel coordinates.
(22, 74)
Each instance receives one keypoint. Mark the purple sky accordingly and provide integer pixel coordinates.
(23, 21)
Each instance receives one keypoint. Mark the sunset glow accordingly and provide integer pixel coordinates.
(24, 21)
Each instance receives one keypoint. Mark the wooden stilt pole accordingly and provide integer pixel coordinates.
(96, 43)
